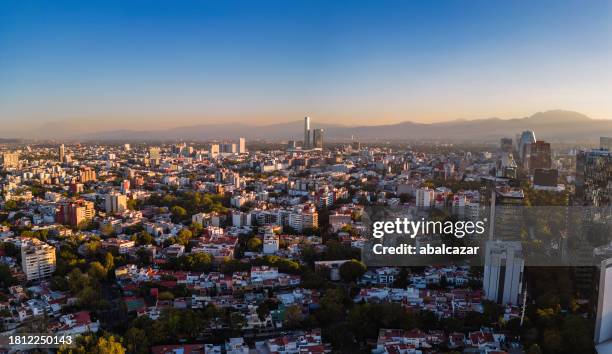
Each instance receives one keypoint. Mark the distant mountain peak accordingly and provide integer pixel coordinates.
(559, 115)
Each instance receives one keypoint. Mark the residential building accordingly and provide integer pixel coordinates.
(37, 259)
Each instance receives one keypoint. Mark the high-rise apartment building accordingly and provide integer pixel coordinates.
(242, 146)
(230, 148)
(302, 218)
(74, 213)
(115, 203)
(214, 149)
(503, 272)
(37, 259)
(425, 197)
(86, 174)
(306, 143)
(10, 160)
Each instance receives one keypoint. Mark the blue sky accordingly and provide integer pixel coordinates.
(167, 63)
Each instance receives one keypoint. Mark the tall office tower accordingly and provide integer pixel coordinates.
(527, 137)
(605, 143)
(242, 146)
(37, 259)
(62, 153)
(291, 144)
(545, 177)
(10, 160)
(603, 314)
(506, 144)
(115, 203)
(594, 177)
(503, 272)
(539, 155)
(317, 138)
(306, 144)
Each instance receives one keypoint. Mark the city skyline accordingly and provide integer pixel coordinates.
(123, 65)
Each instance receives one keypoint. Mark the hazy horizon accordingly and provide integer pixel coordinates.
(108, 65)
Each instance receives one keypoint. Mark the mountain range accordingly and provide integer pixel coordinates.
(554, 126)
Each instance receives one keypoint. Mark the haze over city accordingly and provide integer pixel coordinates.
(114, 65)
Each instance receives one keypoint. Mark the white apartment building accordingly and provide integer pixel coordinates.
(425, 197)
(271, 242)
(503, 271)
(303, 218)
(37, 259)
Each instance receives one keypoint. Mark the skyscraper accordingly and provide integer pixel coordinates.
(603, 317)
(503, 271)
(527, 137)
(539, 155)
(306, 144)
(242, 146)
(317, 138)
(506, 144)
(605, 143)
(594, 177)
(62, 153)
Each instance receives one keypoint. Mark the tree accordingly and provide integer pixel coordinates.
(254, 244)
(197, 262)
(401, 281)
(293, 316)
(87, 343)
(97, 271)
(552, 341)
(263, 310)
(184, 236)
(534, 349)
(178, 212)
(332, 306)
(76, 280)
(107, 229)
(352, 270)
(144, 238)
(136, 341)
(237, 321)
(109, 262)
(6, 277)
